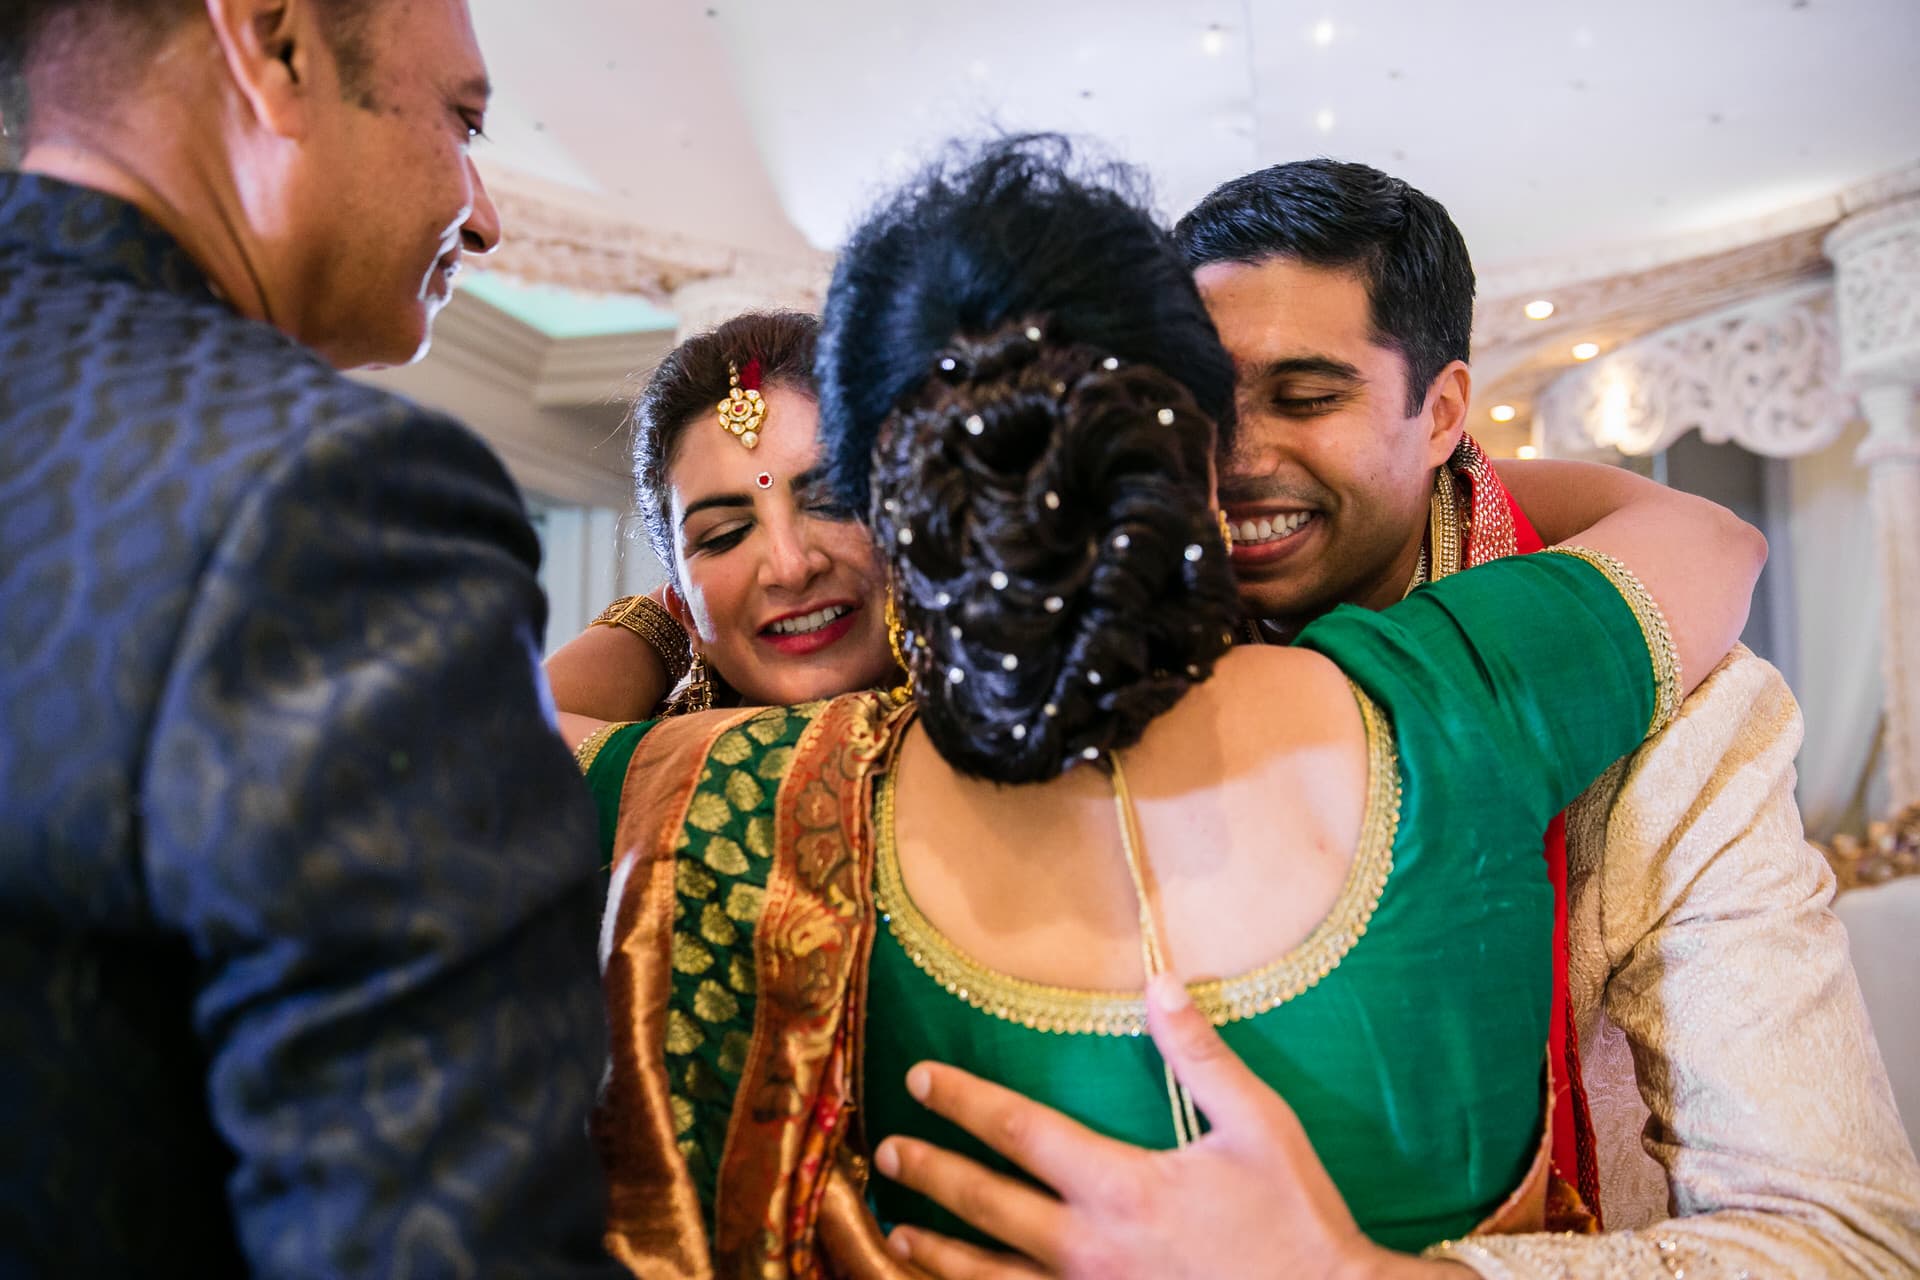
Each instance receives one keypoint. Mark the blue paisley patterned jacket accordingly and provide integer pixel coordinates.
(298, 890)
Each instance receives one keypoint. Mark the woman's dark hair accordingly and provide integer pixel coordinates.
(1331, 213)
(684, 390)
(1020, 383)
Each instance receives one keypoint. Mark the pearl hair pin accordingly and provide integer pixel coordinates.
(975, 424)
(1166, 417)
(1033, 333)
(998, 579)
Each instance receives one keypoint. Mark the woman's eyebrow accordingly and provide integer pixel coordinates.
(717, 500)
(810, 477)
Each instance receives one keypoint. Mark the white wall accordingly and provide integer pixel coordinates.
(588, 559)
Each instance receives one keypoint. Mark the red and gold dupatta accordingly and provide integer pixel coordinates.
(1476, 520)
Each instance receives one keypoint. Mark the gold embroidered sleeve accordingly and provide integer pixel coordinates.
(1653, 629)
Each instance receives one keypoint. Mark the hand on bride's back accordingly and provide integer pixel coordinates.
(1248, 1199)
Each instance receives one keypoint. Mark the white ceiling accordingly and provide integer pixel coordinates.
(1551, 130)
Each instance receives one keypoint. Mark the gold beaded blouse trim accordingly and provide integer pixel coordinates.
(589, 749)
(1653, 629)
(1074, 1011)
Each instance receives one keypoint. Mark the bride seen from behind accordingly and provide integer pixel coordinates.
(1021, 387)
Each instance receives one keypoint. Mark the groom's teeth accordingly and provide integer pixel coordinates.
(1271, 529)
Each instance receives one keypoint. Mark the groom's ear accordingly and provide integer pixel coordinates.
(1446, 411)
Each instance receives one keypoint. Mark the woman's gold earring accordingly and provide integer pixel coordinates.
(696, 694)
(1226, 530)
(901, 693)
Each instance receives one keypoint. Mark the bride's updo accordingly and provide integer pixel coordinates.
(1019, 382)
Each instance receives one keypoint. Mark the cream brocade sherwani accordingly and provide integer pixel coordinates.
(1704, 953)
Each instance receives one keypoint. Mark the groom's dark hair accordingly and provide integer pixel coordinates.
(1327, 213)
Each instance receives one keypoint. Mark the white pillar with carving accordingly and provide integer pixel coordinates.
(1876, 257)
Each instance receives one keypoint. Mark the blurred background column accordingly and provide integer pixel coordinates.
(1876, 256)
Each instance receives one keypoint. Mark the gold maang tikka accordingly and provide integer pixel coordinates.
(743, 412)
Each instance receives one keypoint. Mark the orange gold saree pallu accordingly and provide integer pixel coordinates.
(789, 1189)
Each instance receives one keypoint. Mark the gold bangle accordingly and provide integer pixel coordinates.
(653, 624)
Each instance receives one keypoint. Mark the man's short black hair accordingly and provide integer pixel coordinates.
(1328, 213)
(107, 36)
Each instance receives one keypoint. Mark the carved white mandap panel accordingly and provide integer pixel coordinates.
(1764, 375)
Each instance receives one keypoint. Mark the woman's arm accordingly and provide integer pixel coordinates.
(610, 673)
(1698, 560)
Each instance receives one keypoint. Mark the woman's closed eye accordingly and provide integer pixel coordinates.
(722, 537)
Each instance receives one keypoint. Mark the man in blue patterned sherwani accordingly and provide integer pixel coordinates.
(298, 893)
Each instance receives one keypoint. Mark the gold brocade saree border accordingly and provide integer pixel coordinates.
(655, 1227)
(798, 1090)
(1072, 1011)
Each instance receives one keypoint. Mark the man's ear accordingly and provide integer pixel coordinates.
(269, 50)
(1447, 402)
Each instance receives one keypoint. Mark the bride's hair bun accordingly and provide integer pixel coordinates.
(1016, 366)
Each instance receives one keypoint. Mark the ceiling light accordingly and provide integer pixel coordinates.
(1323, 32)
(1539, 309)
(1585, 350)
(1214, 42)
(1323, 121)
(1501, 413)
(1526, 453)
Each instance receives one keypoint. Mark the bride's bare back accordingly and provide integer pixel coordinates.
(1250, 794)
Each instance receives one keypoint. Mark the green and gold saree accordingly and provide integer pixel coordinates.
(769, 980)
